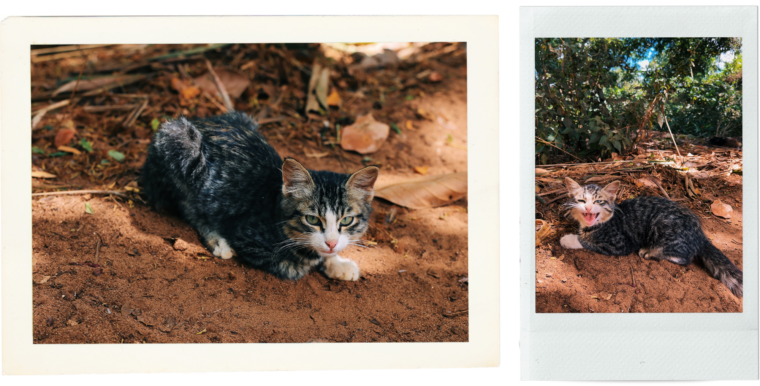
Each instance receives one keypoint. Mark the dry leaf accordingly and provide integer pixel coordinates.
(721, 209)
(421, 169)
(435, 77)
(41, 174)
(179, 84)
(426, 114)
(64, 136)
(540, 171)
(365, 136)
(426, 192)
(646, 181)
(409, 125)
(190, 92)
(542, 230)
(90, 84)
(333, 99)
(43, 280)
(69, 150)
(234, 82)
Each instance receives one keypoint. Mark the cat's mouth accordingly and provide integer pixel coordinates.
(590, 218)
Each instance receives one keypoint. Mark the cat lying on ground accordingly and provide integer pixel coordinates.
(222, 176)
(655, 227)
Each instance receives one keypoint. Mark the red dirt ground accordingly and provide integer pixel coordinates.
(583, 281)
(151, 292)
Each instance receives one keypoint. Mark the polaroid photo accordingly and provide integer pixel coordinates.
(292, 193)
(639, 193)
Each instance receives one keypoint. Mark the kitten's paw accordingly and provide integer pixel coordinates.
(339, 268)
(222, 249)
(570, 242)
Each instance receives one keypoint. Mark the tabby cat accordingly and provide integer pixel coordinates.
(658, 228)
(221, 176)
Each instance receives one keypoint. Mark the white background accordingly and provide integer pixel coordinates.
(508, 12)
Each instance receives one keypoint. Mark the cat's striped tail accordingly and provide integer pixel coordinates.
(721, 268)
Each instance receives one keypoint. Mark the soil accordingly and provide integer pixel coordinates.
(583, 281)
(127, 274)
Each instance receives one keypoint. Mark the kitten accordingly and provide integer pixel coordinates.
(221, 176)
(659, 229)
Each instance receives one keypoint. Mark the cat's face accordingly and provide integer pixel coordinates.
(590, 204)
(326, 211)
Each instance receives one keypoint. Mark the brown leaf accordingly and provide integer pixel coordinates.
(422, 113)
(69, 150)
(333, 99)
(64, 136)
(179, 84)
(435, 77)
(235, 82)
(90, 84)
(365, 136)
(190, 92)
(421, 169)
(542, 230)
(426, 192)
(721, 209)
(542, 171)
(41, 174)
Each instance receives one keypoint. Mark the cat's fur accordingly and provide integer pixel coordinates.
(221, 176)
(655, 227)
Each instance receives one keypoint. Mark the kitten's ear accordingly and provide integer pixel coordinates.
(295, 178)
(612, 188)
(361, 183)
(572, 187)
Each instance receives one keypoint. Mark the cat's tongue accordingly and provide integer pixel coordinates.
(590, 218)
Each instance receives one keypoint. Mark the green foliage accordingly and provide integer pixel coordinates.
(592, 96)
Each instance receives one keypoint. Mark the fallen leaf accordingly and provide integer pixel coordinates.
(542, 171)
(426, 114)
(64, 136)
(421, 169)
(646, 181)
(90, 84)
(88, 208)
(409, 125)
(426, 192)
(317, 95)
(721, 209)
(435, 77)
(365, 136)
(542, 230)
(41, 174)
(117, 155)
(179, 84)
(333, 99)
(190, 92)
(69, 149)
(235, 82)
(200, 332)
(43, 280)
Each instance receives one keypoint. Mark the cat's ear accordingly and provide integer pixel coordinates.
(612, 189)
(572, 187)
(296, 180)
(361, 183)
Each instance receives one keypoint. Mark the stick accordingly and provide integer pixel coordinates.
(97, 248)
(203, 92)
(41, 112)
(219, 86)
(671, 137)
(120, 194)
(550, 144)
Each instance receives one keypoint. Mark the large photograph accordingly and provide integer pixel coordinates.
(638, 179)
(250, 193)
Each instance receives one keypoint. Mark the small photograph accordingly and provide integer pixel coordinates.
(250, 193)
(638, 178)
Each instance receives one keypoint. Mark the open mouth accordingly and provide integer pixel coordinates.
(590, 218)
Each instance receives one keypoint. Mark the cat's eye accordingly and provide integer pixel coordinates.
(347, 220)
(313, 220)
(583, 201)
(599, 202)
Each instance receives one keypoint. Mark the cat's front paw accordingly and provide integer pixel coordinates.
(570, 242)
(339, 268)
(222, 249)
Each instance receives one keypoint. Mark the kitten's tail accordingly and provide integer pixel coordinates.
(721, 268)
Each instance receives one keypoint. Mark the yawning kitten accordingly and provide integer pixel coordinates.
(659, 229)
(221, 176)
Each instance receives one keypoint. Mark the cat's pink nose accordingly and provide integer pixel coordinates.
(331, 244)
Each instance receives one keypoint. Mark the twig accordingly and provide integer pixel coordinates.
(220, 86)
(97, 248)
(132, 117)
(550, 144)
(203, 92)
(671, 137)
(553, 191)
(96, 109)
(633, 279)
(120, 194)
(60, 235)
(73, 92)
(557, 198)
(41, 112)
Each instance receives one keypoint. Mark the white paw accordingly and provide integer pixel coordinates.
(222, 249)
(339, 268)
(570, 242)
